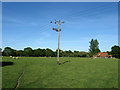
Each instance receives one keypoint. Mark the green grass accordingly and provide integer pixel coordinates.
(41, 72)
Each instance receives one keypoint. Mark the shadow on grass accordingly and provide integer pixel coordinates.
(2, 64)
(64, 62)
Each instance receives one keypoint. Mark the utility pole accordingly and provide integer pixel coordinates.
(58, 30)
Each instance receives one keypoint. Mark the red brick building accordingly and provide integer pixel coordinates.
(102, 55)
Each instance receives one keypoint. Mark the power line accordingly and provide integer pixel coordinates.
(82, 12)
(44, 25)
(89, 12)
(103, 9)
(40, 29)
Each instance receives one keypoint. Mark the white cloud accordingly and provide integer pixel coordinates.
(19, 21)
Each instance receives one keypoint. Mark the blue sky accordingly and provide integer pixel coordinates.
(27, 25)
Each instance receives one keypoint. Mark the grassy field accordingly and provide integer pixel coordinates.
(73, 72)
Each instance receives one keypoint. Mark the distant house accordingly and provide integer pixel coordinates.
(102, 55)
(109, 56)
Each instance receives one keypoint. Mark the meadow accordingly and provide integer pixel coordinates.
(73, 72)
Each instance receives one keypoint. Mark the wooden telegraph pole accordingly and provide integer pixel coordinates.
(58, 30)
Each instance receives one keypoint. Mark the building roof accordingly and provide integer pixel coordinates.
(110, 55)
(102, 54)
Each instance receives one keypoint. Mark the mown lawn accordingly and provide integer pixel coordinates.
(73, 72)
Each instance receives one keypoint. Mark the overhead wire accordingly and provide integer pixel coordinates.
(86, 12)
(89, 9)
(103, 9)
(63, 17)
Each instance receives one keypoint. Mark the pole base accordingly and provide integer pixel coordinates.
(57, 62)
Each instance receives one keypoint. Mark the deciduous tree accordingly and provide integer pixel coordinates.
(94, 48)
(28, 51)
(115, 51)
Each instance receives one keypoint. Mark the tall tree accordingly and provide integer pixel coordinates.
(28, 51)
(43, 52)
(76, 54)
(94, 48)
(9, 52)
(68, 53)
(49, 52)
(38, 52)
(20, 53)
(115, 51)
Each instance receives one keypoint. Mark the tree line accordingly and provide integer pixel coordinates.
(29, 52)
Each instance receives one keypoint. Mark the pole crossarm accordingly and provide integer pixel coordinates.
(56, 29)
